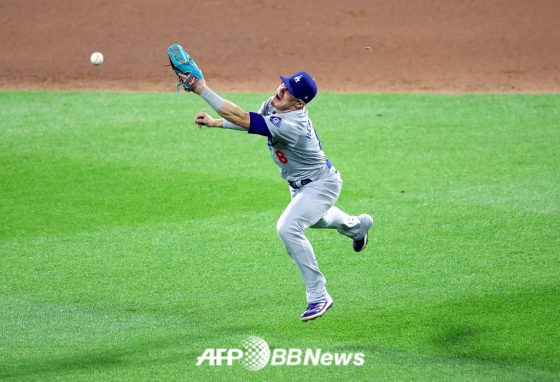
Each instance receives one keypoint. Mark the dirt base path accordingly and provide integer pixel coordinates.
(242, 45)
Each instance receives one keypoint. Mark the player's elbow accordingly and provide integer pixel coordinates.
(241, 119)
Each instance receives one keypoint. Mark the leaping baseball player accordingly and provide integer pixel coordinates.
(313, 181)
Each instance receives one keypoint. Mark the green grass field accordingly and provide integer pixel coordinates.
(131, 241)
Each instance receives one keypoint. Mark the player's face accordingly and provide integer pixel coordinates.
(284, 101)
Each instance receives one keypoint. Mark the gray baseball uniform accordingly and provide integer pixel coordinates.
(314, 186)
(314, 182)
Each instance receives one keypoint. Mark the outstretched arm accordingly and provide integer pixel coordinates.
(203, 119)
(226, 109)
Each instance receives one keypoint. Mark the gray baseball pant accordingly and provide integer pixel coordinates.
(312, 206)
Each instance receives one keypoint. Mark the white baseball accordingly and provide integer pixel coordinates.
(97, 58)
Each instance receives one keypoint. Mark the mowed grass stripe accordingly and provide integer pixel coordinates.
(131, 241)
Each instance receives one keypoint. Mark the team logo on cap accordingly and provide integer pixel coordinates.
(297, 78)
(276, 121)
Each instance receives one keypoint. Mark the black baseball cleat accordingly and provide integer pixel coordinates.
(316, 309)
(366, 222)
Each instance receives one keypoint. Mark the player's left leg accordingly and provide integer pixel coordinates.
(355, 227)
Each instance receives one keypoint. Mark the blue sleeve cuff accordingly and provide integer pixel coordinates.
(258, 125)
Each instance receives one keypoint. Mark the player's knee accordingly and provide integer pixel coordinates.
(281, 228)
(285, 228)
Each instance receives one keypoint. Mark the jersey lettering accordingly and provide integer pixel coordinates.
(309, 131)
(294, 144)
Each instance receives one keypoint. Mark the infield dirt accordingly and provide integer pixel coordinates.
(242, 45)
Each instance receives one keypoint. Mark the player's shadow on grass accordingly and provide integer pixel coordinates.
(510, 329)
(134, 354)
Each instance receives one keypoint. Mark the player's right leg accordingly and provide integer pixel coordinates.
(307, 206)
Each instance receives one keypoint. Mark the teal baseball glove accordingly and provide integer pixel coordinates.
(182, 63)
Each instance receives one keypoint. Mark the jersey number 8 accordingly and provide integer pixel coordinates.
(281, 157)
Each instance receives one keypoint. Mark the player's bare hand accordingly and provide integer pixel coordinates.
(203, 119)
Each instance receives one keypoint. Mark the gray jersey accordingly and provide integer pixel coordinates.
(294, 145)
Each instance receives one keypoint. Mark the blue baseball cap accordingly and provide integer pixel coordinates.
(301, 85)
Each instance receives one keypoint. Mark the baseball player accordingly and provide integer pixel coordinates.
(313, 181)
